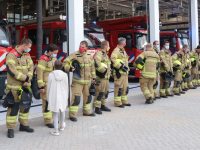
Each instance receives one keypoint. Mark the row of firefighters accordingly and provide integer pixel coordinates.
(93, 73)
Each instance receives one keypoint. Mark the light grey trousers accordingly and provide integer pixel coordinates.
(55, 119)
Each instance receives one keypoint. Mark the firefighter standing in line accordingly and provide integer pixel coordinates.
(44, 68)
(148, 62)
(165, 66)
(81, 83)
(156, 47)
(188, 84)
(195, 56)
(20, 71)
(102, 64)
(179, 62)
(119, 59)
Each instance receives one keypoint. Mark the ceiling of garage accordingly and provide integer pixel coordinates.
(121, 8)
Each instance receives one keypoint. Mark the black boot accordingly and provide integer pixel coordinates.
(193, 87)
(25, 128)
(157, 97)
(104, 108)
(98, 111)
(182, 92)
(10, 133)
(149, 101)
(127, 104)
(178, 94)
(164, 96)
(171, 95)
(50, 125)
(73, 119)
(184, 89)
(121, 106)
(92, 115)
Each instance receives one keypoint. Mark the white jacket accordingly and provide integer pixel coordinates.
(57, 91)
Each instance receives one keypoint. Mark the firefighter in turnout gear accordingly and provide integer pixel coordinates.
(179, 63)
(195, 56)
(102, 64)
(188, 67)
(156, 47)
(81, 85)
(150, 63)
(20, 71)
(44, 68)
(165, 66)
(119, 60)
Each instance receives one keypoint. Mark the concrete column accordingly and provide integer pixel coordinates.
(51, 4)
(3, 8)
(97, 10)
(76, 31)
(113, 14)
(154, 20)
(22, 5)
(133, 9)
(194, 31)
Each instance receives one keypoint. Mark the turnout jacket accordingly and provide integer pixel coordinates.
(44, 68)
(196, 55)
(119, 54)
(165, 56)
(102, 57)
(180, 58)
(86, 62)
(152, 62)
(19, 67)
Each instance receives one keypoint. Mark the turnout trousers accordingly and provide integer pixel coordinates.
(146, 85)
(194, 76)
(155, 86)
(47, 115)
(121, 90)
(189, 82)
(102, 93)
(77, 89)
(164, 87)
(178, 84)
(11, 116)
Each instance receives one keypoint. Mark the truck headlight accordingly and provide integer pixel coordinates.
(5, 81)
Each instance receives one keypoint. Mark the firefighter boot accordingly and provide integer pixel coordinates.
(92, 115)
(98, 111)
(25, 128)
(149, 101)
(10, 133)
(50, 125)
(104, 108)
(73, 119)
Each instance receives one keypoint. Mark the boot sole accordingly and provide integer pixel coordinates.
(26, 131)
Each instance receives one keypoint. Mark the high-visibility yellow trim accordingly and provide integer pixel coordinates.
(93, 73)
(31, 62)
(19, 75)
(47, 114)
(42, 67)
(98, 57)
(162, 90)
(175, 89)
(29, 73)
(146, 92)
(81, 81)
(12, 87)
(22, 67)
(168, 90)
(73, 108)
(11, 61)
(124, 98)
(151, 60)
(49, 69)
(117, 99)
(39, 81)
(86, 107)
(11, 119)
(97, 102)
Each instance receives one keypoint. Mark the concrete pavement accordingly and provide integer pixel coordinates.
(168, 124)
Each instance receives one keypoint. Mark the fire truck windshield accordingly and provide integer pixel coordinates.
(140, 41)
(94, 39)
(4, 35)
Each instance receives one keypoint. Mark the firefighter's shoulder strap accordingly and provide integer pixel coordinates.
(14, 51)
(44, 57)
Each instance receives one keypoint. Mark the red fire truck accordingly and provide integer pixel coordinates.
(133, 29)
(54, 29)
(5, 47)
